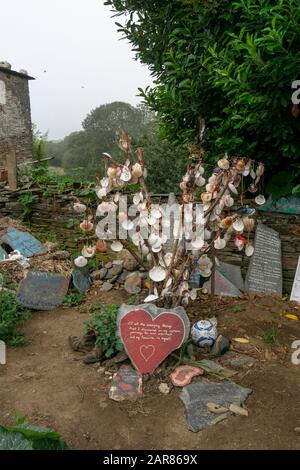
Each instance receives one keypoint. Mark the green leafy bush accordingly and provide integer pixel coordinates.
(230, 62)
(23, 436)
(104, 324)
(73, 299)
(12, 315)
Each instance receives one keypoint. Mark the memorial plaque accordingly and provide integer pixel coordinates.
(23, 242)
(265, 270)
(150, 334)
(42, 291)
(223, 286)
(81, 280)
(295, 295)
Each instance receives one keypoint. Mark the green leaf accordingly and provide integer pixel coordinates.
(13, 441)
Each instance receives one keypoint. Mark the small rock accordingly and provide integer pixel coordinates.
(101, 370)
(61, 255)
(164, 388)
(133, 283)
(297, 430)
(108, 265)
(221, 345)
(130, 264)
(238, 410)
(99, 275)
(107, 286)
(217, 409)
(118, 262)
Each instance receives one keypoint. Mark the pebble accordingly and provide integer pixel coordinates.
(238, 410)
(297, 430)
(101, 370)
(164, 388)
(107, 286)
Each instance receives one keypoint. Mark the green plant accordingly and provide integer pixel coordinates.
(73, 299)
(270, 336)
(22, 436)
(237, 309)
(104, 324)
(12, 315)
(27, 200)
(230, 62)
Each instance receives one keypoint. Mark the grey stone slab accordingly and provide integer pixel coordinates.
(196, 396)
(81, 280)
(233, 274)
(216, 368)
(223, 287)
(295, 295)
(265, 269)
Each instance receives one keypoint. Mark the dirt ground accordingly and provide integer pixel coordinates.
(47, 382)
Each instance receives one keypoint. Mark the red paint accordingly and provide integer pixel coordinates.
(183, 375)
(148, 342)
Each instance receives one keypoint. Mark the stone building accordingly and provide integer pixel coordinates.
(15, 116)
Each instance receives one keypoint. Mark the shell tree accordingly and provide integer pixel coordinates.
(211, 215)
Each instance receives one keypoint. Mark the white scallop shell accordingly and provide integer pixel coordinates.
(145, 250)
(157, 274)
(232, 188)
(238, 225)
(153, 238)
(200, 181)
(80, 262)
(116, 246)
(249, 250)
(151, 298)
(127, 224)
(260, 200)
(137, 239)
(136, 199)
(101, 193)
(229, 201)
(125, 175)
(88, 251)
(198, 243)
(219, 243)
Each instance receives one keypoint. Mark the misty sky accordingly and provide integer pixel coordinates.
(77, 45)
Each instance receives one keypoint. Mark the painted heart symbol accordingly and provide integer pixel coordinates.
(148, 339)
(147, 352)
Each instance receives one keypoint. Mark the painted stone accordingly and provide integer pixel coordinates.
(183, 375)
(23, 242)
(126, 384)
(81, 280)
(42, 291)
(295, 295)
(265, 269)
(196, 396)
(150, 334)
(223, 286)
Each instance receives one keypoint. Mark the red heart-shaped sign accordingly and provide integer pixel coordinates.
(147, 340)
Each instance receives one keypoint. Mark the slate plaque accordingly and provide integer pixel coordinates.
(223, 286)
(295, 295)
(23, 242)
(81, 280)
(42, 291)
(265, 269)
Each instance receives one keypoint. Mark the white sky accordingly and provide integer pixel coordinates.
(77, 43)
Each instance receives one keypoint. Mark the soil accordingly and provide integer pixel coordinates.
(48, 383)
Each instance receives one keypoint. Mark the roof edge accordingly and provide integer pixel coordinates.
(18, 74)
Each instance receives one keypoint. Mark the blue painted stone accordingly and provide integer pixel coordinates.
(23, 242)
(81, 280)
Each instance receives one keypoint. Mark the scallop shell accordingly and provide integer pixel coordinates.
(260, 200)
(137, 239)
(101, 193)
(125, 175)
(248, 224)
(88, 251)
(86, 226)
(116, 246)
(145, 250)
(232, 188)
(112, 172)
(136, 199)
(198, 243)
(238, 225)
(137, 170)
(200, 181)
(101, 246)
(224, 163)
(249, 250)
(79, 208)
(80, 262)
(219, 243)
(206, 197)
(153, 238)
(229, 201)
(157, 274)
(151, 298)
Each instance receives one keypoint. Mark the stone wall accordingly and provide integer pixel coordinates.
(15, 117)
(51, 215)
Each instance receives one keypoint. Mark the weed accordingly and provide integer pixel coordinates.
(12, 315)
(104, 324)
(237, 309)
(27, 200)
(270, 336)
(73, 299)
